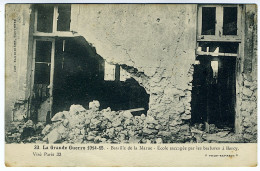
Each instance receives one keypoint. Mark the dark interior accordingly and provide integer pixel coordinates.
(79, 79)
(208, 20)
(213, 98)
(230, 21)
(63, 22)
(45, 17)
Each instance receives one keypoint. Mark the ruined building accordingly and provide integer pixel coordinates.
(191, 69)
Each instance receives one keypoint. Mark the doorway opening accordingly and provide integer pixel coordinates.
(214, 85)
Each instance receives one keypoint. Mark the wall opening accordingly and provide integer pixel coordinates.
(67, 70)
(214, 85)
(79, 78)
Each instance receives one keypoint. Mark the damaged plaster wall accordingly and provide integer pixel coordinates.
(246, 117)
(155, 43)
(158, 41)
(16, 51)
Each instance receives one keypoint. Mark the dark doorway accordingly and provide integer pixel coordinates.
(214, 91)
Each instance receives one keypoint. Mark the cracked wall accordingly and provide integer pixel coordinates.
(158, 41)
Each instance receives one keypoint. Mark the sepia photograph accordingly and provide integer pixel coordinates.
(130, 74)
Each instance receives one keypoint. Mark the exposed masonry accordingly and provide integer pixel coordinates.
(248, 109)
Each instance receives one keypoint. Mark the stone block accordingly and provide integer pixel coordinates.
(76, 109)
(247, 92)
(46, 129)
(58, 117)
(53, 136)
(94, 105)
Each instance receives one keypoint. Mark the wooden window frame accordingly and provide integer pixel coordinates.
(219, 37)
(51, 67)
(54, 25)
(105, 72)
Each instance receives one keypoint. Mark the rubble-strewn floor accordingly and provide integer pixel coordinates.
(79, 125)
(214, 134)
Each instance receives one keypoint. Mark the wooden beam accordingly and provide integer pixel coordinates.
(52, 75)
(135, 110)
(215, 54)
(219, 39)
(56, 34)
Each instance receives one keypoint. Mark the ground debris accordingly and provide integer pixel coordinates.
(80, 125)
(24, 132)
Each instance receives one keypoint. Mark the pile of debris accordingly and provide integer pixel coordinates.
(79, 125)
(24, 132)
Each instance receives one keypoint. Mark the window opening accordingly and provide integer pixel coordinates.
(230, 21)
(42, 62)
(124, 75)
(110, 72)
(208, 20)
(45, 18)
(63, 22)
(52, 18)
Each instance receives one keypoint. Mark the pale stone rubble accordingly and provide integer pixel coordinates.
(24, 132)
(80, 125)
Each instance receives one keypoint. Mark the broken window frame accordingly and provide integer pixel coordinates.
(219, 28)
(51, 65)
(219, 25)
(52, 40)
(119, 74)
(109, 73)
(124, 75)
(44, 36)
(54, 32)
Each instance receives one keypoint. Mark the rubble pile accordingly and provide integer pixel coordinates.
(24, 132)
(79, 125)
